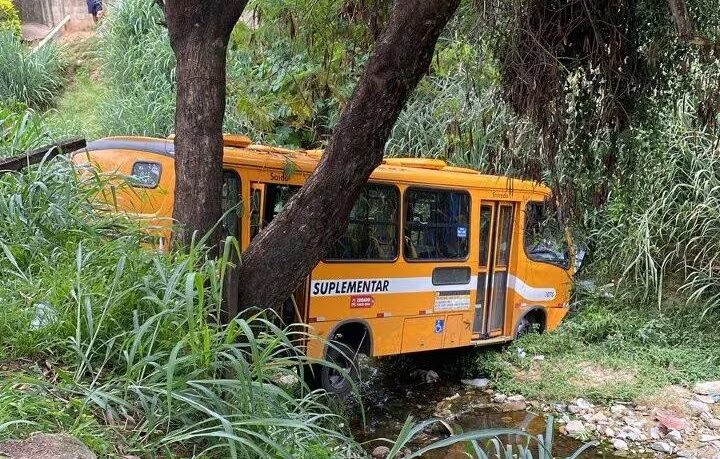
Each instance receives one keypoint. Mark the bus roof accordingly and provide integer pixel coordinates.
(239, 150)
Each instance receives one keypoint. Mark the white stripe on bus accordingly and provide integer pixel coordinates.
(531, 293)
(420, 284)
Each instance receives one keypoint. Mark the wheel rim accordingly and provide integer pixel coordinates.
(338, 381)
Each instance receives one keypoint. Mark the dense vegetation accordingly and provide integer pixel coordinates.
(118, 345)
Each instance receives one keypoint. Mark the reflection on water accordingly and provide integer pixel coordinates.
(389, 402)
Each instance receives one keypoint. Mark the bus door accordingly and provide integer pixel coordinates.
(266, 202)
(496, 224)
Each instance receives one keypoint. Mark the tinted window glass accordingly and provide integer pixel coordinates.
(544, 238)
(505, 237)
(436, 224)
(485, 227)
(372, 231)
(145, 174)
(231, 204)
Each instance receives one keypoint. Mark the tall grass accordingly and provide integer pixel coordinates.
(20, 130)
(32, 78)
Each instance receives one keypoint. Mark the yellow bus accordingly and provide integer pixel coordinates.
(434, 256)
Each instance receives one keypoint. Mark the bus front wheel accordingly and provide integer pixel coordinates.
(338, 375)
(532, 322)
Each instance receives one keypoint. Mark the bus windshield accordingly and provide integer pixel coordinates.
(544, 237)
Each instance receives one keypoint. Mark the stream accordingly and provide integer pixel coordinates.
(389, 400)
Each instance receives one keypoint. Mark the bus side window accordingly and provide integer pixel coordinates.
(231, 204)
(437, 224)
(372, 232)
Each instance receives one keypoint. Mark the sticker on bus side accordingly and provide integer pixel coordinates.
(439, 325)
(456, 300)
(362, 301)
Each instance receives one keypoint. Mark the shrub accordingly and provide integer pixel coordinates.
(32, 78)
(9, 17)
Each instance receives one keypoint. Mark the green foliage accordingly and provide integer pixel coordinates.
(610, 349)
(21, 129)
(483, 444)
(28, 77)
(9, 17)
(138, 68)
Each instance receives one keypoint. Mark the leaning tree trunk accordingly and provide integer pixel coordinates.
(199, 32)
(283, 254)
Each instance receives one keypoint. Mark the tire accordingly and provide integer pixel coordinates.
(333, 381)
(528, 324)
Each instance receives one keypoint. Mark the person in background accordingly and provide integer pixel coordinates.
(95, 8)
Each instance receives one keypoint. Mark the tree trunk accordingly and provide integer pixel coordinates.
(285, 252)
(199, 32)
(681, 17)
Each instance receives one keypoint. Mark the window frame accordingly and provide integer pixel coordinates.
(139, 185)
(564, 266)
(464, 191)
(398, 231)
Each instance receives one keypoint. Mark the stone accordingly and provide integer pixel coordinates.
(509, 406)
(583, 404)
(707, 388)
(655, 433)
(560, 407)
(431, 377)
(631, 433)
(618, 410)
(599, 418)
(620, 444)
(674, 436)
(516, 398)
(574, 409)
(380, 452)
(574, 427)
(708, 438)
(684, 453)
(538, 358)
(46, 446)
(672, 422)
(705, 399)
(661, 447)
(697, 407)
(609, 432)
(499, 398)
(712, 423)
(479, 383)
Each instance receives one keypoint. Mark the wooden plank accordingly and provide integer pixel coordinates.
(18, 163)
(52, 34)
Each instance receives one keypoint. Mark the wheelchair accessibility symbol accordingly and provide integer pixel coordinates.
(439, 325)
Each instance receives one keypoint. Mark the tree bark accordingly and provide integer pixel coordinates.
(285, 252)
(199, 32)
(681, 17)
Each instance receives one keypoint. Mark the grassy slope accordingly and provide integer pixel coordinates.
(611, 348)
(76, 110)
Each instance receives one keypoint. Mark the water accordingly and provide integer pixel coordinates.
(389, 401)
